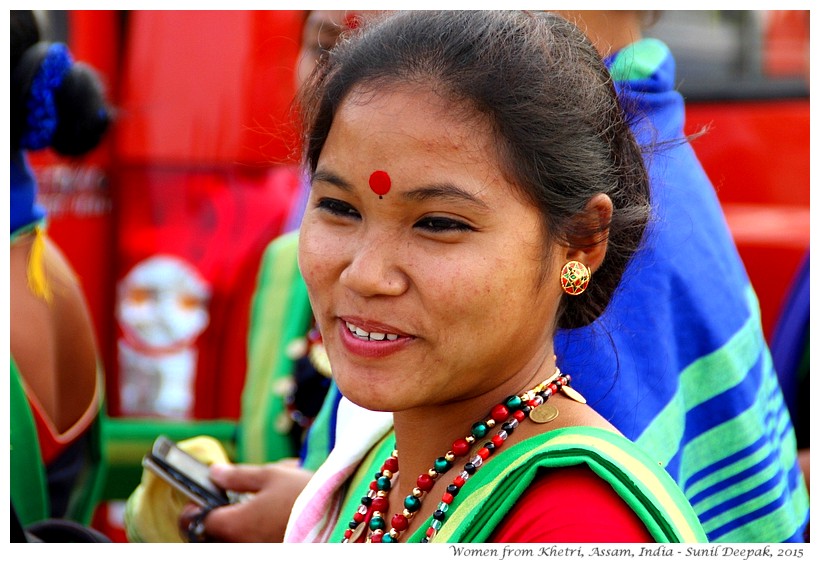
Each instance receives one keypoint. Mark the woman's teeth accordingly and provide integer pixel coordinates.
(364, 335)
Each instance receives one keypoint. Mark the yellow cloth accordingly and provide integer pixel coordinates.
(37, 281)
(152, 511)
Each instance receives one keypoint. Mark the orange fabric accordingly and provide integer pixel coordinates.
(571, 505)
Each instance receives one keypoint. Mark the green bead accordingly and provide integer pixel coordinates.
(387, 538)
(383, 483)
(377, 523)
(441, 465)
(513, 402)
(412, 504)
(479, 429)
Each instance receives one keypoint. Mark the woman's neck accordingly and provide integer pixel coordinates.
(425, 434)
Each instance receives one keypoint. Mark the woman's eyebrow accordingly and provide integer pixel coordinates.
(444, 191)
(331, 178)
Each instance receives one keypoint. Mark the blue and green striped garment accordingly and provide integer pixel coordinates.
(692, 381)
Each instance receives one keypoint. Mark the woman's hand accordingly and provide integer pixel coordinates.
(263, 515)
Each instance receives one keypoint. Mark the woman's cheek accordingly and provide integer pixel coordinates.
(311, 253)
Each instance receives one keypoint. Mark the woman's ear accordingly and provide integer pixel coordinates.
(594, 219)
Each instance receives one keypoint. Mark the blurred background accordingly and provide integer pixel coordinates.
(167, 220)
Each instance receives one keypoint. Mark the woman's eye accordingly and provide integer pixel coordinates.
(337, 207)
(442, 225)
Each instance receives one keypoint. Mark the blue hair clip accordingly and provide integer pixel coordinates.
(41, 121)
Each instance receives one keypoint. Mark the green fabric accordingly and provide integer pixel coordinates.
(128, 439)
(27, 474)
(491, 493)
(90, 483)
(317, 445)
(640, 60)
(733, 360)
(280, 313)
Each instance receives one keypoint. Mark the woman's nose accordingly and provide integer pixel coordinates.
(374, 268)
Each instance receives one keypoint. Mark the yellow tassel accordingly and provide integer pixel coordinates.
(36, 271)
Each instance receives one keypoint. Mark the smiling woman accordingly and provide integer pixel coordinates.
(501, 158)
(429, 261)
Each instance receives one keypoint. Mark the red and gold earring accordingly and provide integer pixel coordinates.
(574, 277)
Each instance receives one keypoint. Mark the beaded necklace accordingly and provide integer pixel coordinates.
(370, 516)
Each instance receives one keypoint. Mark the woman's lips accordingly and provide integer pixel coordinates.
(359, 332)
(368, 339)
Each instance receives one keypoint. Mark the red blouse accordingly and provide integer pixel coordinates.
(571, 505)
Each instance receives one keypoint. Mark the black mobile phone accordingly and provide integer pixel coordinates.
(185, 473)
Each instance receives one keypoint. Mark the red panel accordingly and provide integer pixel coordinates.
(786, 43)
(94, 38)
(755, 152)
(772, 241)
(209, 86)
(757, 155)
(215, 223)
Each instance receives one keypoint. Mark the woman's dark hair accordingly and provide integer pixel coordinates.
(561, 133)
(55, 102)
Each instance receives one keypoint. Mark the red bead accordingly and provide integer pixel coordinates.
(399, 522)
(376, 537)
(391, 464)
(430, 531)
(358, 517)
(379, 503)
(374, 486)
(459, 481)
(554, 388)
(483, 453)
(447, 497)
(348, 533)
(425, 482)
(499, 412)
(519, 416)
(497, 440)
(461, 447)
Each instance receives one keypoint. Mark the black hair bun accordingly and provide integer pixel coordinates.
(83, 116)
(80, 115)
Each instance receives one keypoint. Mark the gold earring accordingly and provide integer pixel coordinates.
(574, 277)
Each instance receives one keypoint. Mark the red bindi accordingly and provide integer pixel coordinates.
(380, 182)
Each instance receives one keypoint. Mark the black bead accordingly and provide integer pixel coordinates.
(452, 489)
(367, 501)
(490, 446)
(469, 468)
(438, 515)
(507, 427)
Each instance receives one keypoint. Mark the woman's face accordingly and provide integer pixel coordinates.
(433, 292)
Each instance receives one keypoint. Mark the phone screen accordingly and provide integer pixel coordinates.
(192, 467)
(170, 454)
